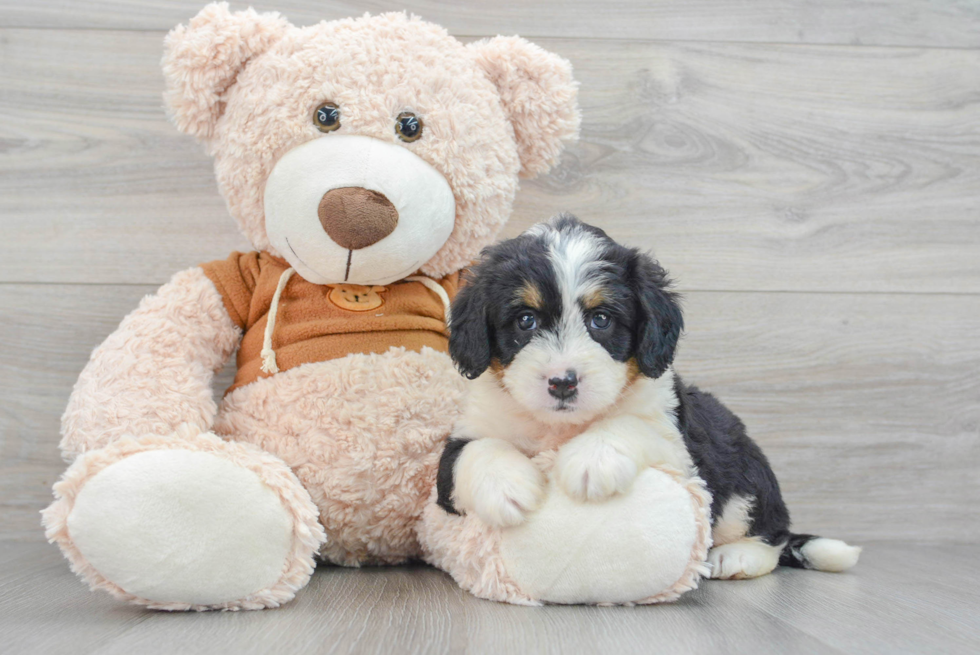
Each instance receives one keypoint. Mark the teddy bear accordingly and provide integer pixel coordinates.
(367, 161)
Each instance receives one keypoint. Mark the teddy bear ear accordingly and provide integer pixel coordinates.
(538, 93)
(202, 60)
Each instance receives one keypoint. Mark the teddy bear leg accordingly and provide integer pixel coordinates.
(186, 521)
(644, 546)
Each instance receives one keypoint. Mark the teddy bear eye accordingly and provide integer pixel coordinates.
(408, 126)
(327, 117)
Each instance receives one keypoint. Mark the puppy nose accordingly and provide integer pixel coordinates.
(355, 217)
(564, 388)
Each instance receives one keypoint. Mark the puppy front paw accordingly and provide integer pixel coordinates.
(505, 497)
(498, 484)
(592, 469)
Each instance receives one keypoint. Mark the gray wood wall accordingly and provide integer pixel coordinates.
(809, 171)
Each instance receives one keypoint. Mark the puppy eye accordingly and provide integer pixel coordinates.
(600, 321)
(408, 126)
(527, 322)
(327, 117)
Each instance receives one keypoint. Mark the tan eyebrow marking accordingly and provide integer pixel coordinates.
(530, 295)
(593, 299)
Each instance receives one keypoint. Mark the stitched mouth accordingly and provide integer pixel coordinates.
(411, 269)
(293, 250)
(350, 255)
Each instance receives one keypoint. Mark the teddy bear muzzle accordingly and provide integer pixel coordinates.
(353, 209)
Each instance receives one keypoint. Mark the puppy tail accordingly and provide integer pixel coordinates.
(806, 551)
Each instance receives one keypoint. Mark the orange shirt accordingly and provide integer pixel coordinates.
(315, 322)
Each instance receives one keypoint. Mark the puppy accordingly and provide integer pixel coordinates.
(569, 339)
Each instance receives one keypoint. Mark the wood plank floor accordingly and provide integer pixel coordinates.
(807, 171)
(902, 598)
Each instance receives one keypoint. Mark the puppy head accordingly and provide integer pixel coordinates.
(565, 319)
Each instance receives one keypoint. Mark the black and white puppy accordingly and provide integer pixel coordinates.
(569, 339)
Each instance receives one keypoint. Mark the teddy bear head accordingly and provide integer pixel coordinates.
(363, 150)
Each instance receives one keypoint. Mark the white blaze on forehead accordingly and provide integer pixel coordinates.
(576, 256)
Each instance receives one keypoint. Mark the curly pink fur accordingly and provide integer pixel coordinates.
(154, 372)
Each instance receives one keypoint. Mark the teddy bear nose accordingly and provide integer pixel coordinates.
(355, 217)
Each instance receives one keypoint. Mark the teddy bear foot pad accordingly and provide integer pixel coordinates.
(186, 527)
(646, 546)
(629, 549)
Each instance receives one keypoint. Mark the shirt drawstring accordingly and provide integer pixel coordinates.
(437, 289)
(269, 365)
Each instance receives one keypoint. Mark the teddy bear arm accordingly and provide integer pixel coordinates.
(154, 372)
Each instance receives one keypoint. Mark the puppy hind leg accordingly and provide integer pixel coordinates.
(746, 558)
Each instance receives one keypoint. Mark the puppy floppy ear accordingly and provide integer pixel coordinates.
(539, 95)
(202, 60)
(659, 318)
(469, 333)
